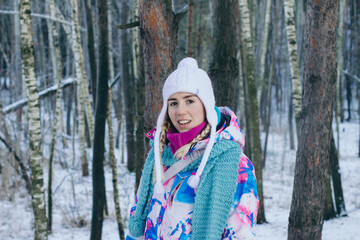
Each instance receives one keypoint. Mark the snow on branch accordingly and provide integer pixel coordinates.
(60, 20)
(43, 93)
(346, 72)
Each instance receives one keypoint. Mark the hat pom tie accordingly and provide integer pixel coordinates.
(159, 188)
(194, 181)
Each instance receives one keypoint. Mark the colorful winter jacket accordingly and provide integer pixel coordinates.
(170, 215)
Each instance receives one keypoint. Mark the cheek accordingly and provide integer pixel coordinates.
(171, 115)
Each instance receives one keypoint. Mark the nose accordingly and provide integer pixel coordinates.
(181, 109)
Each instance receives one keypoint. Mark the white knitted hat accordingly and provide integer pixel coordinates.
(187, 78)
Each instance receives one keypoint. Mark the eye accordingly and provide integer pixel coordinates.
(171, 104)
(190, 101)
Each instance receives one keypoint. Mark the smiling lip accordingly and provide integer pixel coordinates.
(183, 122)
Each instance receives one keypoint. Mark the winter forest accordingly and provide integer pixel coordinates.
(81, 84)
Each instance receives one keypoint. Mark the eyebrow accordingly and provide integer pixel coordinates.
(185, 97)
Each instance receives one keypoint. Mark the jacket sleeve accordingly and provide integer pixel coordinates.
(132, 211)
(242, 218)
(143, 182)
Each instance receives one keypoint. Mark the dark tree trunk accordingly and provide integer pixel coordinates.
(69, 103)
(291, 125)
(348, 95)
(140, 142)
(158, 38)
(224, 66)
(329, 210)
(100, 120)
(312, 158)
(336, 179)
(128, 90)
(189, 36)
(91, 47)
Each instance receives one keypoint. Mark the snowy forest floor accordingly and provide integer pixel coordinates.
(72, 195)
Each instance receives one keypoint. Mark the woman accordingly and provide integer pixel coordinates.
(196, 182)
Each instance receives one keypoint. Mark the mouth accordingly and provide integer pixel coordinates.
(183, 122)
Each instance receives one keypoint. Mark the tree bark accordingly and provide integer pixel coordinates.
(224, 66)
(340, 62)
(140, 153)
(252, 109)
(128, 90)
(57, 71)
(189, 35)
(312, 157)
(91, 48)
(336, 179)
(263, 47)
(329, 210)
(36, 158)
(80, 71)
(100, 120)
(271, 79)
(114, 171)
(81, 88)
(158, 39)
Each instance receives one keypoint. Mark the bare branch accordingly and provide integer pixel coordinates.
(24, 174)
(129, 25)
(49, 91)
(346, 72)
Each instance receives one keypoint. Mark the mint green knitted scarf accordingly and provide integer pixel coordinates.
(214, 196)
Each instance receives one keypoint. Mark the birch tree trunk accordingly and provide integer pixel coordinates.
(293, 60)
(114, 170)
(81, 88)
(36, 158)
(80, 71)
(224, 66)
(57, 72)
(251, 106)
(312, 157)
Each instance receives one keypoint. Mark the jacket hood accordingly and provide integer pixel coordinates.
(230, 130)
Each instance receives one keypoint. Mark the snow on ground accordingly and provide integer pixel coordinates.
(73, 195)
(278, 184)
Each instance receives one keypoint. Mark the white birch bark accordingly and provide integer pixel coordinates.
(57, 73)
(77, 51)
(251, 104)
(6, 171)
(36, 158)
(136, 48)
(81, 72)
(114, 171)
(293, 59)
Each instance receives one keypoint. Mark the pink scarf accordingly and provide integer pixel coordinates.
(177, 140)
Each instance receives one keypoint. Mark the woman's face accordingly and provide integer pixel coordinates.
(185, 111)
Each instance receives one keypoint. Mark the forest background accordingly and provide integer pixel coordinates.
(76, 74)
